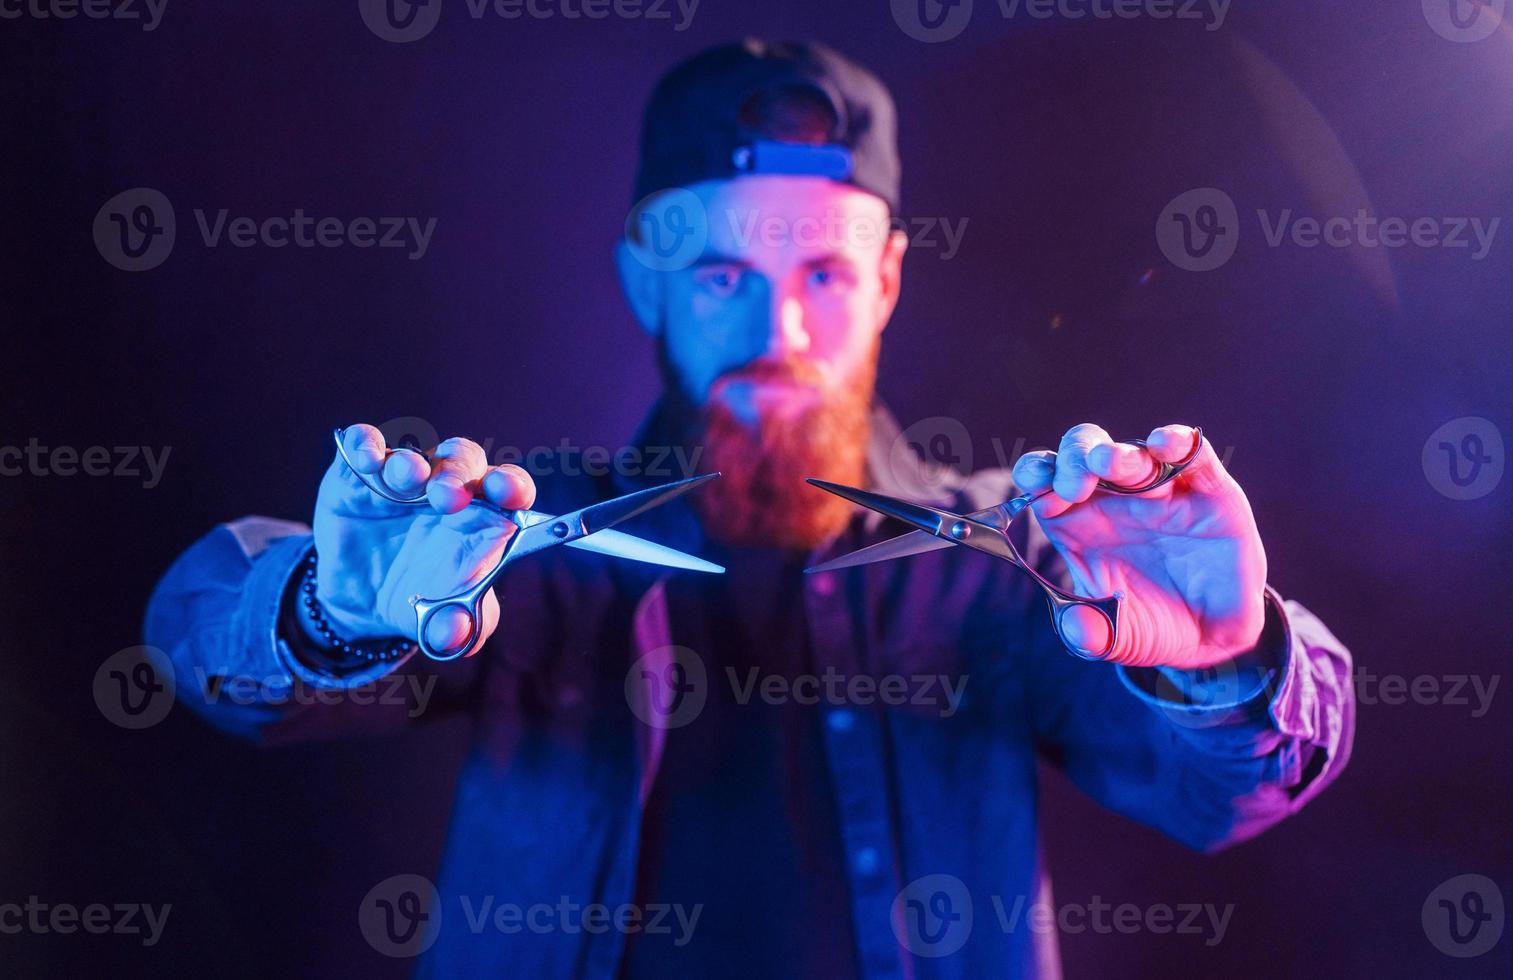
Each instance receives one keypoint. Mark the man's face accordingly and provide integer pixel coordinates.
(769, 344)
(797, 269)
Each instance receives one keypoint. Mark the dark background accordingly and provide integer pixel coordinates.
(1322, 371)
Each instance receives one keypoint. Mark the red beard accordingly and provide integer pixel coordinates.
(761, 498)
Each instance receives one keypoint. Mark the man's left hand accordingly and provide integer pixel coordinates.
(1186, 556)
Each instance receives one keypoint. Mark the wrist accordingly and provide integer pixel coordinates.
(335, 640)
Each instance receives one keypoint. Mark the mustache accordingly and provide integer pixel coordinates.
(791, 369)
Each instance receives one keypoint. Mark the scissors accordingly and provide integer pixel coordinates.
(587, 529)
(988, 531)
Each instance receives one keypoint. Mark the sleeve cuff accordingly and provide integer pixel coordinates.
(1236, 692)
(294, 652)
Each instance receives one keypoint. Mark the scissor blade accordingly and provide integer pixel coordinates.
(906, 544)
(917, 542)
(621, 545)
(579, 524)
(942, 525)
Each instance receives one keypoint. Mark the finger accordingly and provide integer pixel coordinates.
(1074, 481)
(1033, 474)
(1087, 630)
(1122, 464)
(509, 486)
(1033, 471)
(448, 629)
(406, 471)
(1205, 474)
(458, 464)
(365, 447)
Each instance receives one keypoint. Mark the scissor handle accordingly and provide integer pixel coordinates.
(376, 481)
(1061, 602)
(1058, 599)
(1165, 472)
(469, 600)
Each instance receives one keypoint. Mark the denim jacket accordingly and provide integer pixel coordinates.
(550, 798)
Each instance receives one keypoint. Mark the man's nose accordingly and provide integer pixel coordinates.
(785, 333)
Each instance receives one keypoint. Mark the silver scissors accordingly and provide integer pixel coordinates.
(988, 531)
(587, 529)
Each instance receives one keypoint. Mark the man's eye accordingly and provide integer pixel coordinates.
(828, 278)
(721, 282)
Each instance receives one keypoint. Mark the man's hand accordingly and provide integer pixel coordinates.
(373, 555)
(1187, 555)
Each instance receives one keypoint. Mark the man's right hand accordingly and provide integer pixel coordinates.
(373, 554)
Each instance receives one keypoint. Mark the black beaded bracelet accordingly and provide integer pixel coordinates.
(376, 651)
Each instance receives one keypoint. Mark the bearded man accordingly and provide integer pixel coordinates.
(764, 773)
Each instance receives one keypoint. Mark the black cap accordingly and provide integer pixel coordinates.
(770, 107)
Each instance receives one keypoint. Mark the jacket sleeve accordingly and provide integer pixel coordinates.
(1209, 757)
(217, 616)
